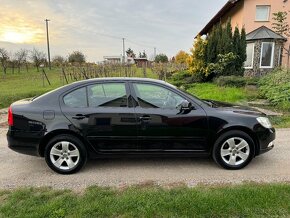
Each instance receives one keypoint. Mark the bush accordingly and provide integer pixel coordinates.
(231, 81)
(276, 88)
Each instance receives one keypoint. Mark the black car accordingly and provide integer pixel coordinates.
(120, 117)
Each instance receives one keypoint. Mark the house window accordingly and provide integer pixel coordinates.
(267, 55)
(250, 56)
(262, 12)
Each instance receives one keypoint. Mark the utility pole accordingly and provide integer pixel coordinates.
(47, 38)
(123, 50)
(154, 53)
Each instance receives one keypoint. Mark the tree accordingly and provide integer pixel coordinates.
(76, 57)
(280, 24)
(58, 60)
(223, 47)
(21, 58)
(4, 58)
(142, 55)
(181, 57)
(38, 58)
(130, 53)
(161, 58)
(196, 61)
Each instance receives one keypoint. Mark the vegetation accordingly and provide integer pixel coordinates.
(226, 94)
(142, 55)
(275, 87)
(76, 57)
(280, 24)
(235, 81)
(220, 54)
(248, 200)
(161, 58)
(130, 53)
(181, 57)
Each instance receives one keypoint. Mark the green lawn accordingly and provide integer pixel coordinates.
(226, 94)
(249, 200)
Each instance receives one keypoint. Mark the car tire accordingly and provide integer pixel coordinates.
(65, 154)
(233, 150)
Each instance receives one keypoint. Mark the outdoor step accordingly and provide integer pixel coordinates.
(260, 102)
(268, 112)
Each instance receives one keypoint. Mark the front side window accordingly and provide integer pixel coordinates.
(262, 12)
(76, 98)
(107, 95)
(250, 56)
(267, 55)
(154, 96)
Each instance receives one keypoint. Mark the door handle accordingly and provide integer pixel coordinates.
(79, 117)
(145, 118)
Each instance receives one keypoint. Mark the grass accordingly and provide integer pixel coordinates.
(21, 85)
(248, 200)
(280, 121)
(226, 94)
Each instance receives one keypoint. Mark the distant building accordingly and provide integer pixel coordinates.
(141, 62)
(118, 59)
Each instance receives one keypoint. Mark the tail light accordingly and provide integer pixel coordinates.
(10, 117)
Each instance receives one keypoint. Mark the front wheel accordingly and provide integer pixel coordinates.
(65, 154)
(233, 150)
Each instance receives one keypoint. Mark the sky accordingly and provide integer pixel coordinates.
(97, 27)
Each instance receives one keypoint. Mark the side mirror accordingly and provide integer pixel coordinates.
(184, 106)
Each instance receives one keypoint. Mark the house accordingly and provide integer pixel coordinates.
(118, 59)
(141, 62)
(265, 48)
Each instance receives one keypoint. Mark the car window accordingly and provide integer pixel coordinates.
(107, 95)
(76, 98)
(154, 96)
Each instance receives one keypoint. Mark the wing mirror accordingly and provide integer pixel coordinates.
(185, 106)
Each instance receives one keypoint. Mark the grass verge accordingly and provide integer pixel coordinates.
(248, 200)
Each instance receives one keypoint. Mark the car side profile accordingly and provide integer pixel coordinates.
(132, 117)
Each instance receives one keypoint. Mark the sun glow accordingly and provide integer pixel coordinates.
(16, 37)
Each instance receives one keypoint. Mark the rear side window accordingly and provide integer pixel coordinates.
(76, 98)
(107, 95)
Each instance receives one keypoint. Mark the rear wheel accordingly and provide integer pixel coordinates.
(233, 150)
(65, 154)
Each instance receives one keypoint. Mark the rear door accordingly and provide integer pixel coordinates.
(102, 113)
(161, 126)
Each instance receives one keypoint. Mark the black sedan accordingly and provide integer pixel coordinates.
(123, 117)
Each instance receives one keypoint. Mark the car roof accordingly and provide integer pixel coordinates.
(123, 79)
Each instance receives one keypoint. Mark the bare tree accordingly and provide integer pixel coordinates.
(21, 58)
(4, 59)
(38, 58)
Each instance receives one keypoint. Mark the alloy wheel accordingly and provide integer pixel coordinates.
(235, 151)
(64, 155)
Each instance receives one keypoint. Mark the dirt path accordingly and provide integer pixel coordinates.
(18, 170)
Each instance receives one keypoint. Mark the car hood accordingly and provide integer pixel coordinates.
(234, 108)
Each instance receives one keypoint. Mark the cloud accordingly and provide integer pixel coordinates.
(96, 27)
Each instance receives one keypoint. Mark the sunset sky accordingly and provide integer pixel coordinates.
(96, 27)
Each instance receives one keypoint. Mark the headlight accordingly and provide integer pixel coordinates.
(265, 122)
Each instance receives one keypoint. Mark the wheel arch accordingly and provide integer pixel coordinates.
(54, 133)
(243, 129)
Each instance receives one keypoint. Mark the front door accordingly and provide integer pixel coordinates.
(101, 112)
(161, 126)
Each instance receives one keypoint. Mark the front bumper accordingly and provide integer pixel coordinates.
(23, 142)
(266, 139)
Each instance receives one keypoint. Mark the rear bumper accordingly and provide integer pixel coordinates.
(23, 142)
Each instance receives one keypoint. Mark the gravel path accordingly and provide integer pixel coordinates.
(18, 170)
